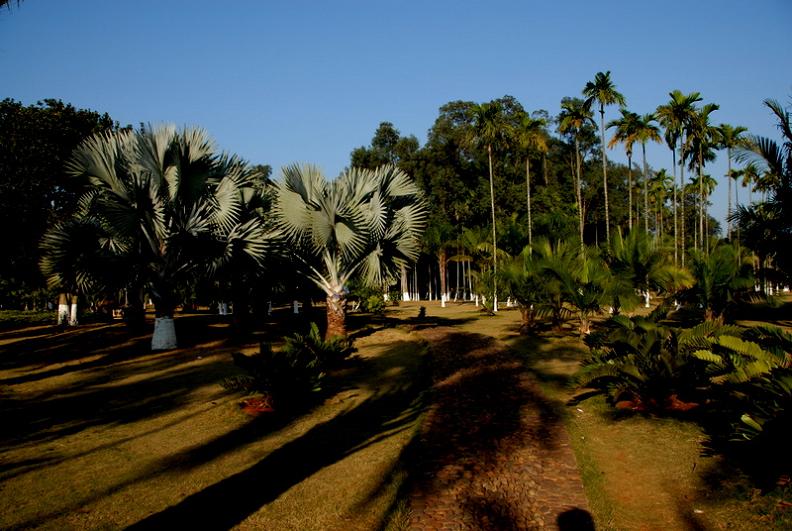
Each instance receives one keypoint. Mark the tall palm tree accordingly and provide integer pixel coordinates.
(731, 137)
(675, 116)
(645, 132)
(603, 91)
(489, 129)
(161, 210)
(701, 138)
(772, 219)
(532, 136)
(575, 114)
(660, 185)
(365, 223)
(626, 128)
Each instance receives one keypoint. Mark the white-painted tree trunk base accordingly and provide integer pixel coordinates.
(477, 299)
(442, 301)
(296, 307)
(495, 304)
(406, 296)
(647, 297)
(164, 337)
(73, 315)
(269, 308)
(63, 314)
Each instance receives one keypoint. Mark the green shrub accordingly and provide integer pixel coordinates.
(329, 353)
(637, 360)
(290, 376)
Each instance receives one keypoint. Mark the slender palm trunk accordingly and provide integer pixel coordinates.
(729, 204)
(73, 311)
(645, 187)
(701, 202)
(674, 209)
(578, 192)
(528, 194)
(604, 174)
(494, 237)
(629, 190)
(682, 196)
(336, 315)
(441, 261)
(405, 285)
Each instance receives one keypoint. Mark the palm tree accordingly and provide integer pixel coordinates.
(730, 138)
(660, 185)
(626, 128)
(701, 137)
(490, 128)
(603, 91)
(575, 114)
(365, 223)
(532, 136)
(161, 210)
(675, 116)
(646, 131)
(770, 221)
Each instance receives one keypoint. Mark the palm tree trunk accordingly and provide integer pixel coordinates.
(63, 309)
(441, 261)
(701, 199)
(682, 196)
(676, 227)
(528, 194)
(405, 286)
(578, 192)
(164, 336)
(729, 203)
(646, 188)
(336, 315)
(604, 174)
(73, 311)
(494, 239)
(629, 190)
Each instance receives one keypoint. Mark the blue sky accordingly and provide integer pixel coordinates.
(283, 82)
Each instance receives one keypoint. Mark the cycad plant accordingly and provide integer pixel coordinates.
(365, 223)
(637, 361)
(161, 209)
(720, 278)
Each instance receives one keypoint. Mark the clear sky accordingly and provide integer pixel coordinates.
(298, 81)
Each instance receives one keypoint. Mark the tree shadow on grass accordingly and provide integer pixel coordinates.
(393, 408)
(477, 420)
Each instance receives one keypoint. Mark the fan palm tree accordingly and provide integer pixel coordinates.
(489, 129)
(161, 210)
(532, 136)
(603, 91)
(626, 128)
(575, 114)
(731, 137)
(645, 132)
(365, 223)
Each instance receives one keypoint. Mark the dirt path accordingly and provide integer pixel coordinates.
(493, 452)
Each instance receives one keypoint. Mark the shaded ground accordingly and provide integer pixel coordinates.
(492, 452)
(100, 433)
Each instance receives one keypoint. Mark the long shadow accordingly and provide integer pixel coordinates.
(393, 409)
(233, 499)
(477, 419)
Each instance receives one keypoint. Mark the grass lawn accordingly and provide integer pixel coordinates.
(100, 433)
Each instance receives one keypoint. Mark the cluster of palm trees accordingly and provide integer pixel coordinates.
(162, 211)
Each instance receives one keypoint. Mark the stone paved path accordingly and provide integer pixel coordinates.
(492, 452)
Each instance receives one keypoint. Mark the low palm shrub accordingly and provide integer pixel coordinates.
(292, 375)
